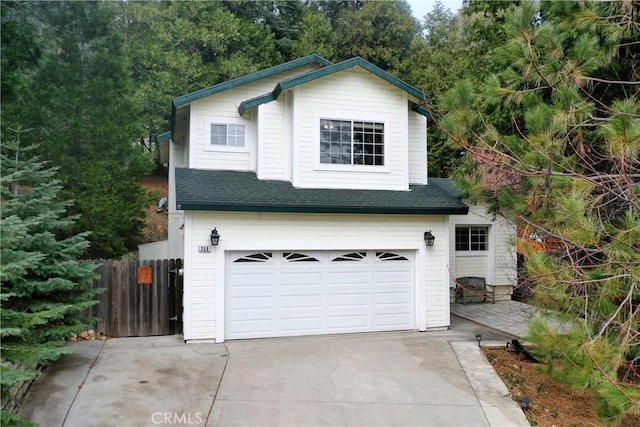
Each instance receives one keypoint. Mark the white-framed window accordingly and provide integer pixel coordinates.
(473, 238)
(229, 135)
(351, 142)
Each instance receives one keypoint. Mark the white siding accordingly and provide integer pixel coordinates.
(498, 265)
(417, 148)
(273, 150)
(353, 94)
(207, 156)
(472, 265)
(223, 108)
(178, 157)
(204, 272)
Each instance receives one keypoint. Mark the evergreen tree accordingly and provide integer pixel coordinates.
(179, 47)
(484, 32)
(79, 100)
(380, 32)
(44, 288)
(316, 36)
(438, 61)
(555, 139)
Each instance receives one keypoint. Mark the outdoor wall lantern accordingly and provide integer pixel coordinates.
(429, 238)
(215, 237)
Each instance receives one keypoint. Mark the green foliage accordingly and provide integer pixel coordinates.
(19, 45)
(359, 34)
(79, 100)
(437, 62)
(316, 36)
(44, 288)
(179, 47)
(554, 138)
(11, 419)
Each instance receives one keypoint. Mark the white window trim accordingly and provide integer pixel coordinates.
(228, 148)
(470, 253)
(350, 168)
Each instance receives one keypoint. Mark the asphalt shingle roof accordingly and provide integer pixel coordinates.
(215, 190)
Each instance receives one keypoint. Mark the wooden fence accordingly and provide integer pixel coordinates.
(140, 299)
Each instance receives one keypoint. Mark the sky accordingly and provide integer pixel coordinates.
(421, 7)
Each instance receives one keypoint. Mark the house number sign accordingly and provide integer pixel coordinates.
(204, 249)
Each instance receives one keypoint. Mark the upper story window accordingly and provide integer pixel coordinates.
(227, 135)
(348, 142)
(472, 238)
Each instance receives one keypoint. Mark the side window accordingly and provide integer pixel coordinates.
(472, 238)
(229, 135)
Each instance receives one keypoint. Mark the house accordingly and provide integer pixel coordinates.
(300, 204)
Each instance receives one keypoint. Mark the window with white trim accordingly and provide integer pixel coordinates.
(472, 238)
(349, 142)
(229, 135)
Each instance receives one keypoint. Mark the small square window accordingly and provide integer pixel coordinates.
(229, 135)
(472, 238)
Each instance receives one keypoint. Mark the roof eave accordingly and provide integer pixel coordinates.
(211, 90)
(369, 210)
(289, 83)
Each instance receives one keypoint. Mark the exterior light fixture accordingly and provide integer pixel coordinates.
(215, 237)
(479, 339)
(524, 403)
(429, 238)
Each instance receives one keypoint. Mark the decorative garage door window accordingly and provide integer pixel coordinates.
(260, 257)
(353, 256)
(296, 257)
(389, 256)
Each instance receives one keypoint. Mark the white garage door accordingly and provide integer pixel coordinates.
(273, 294)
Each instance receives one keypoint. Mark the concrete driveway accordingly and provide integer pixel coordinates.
(396, 378)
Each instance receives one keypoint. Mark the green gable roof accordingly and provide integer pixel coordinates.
(331, 69)
(211, 190)
(212, 90)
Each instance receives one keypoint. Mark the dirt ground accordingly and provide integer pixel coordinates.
(156, 222)
(552, 404)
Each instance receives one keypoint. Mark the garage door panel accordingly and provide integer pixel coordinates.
(348, 300)
(359, 278)
(254, 278)
(394, 276)
(387, 298)
(299, 325)
(255, 302)
(348, 322)
(400, 320)
(308, 301)
(303, 278)
(285, 298)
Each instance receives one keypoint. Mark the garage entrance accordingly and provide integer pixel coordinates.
(281, 293)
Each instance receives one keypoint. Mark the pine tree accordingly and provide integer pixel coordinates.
(558, 130)
(44, 288)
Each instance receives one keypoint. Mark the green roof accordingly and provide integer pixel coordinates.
(215, 190)
(331, 69)
(447, 185)
(212, 90)
(164, 137)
